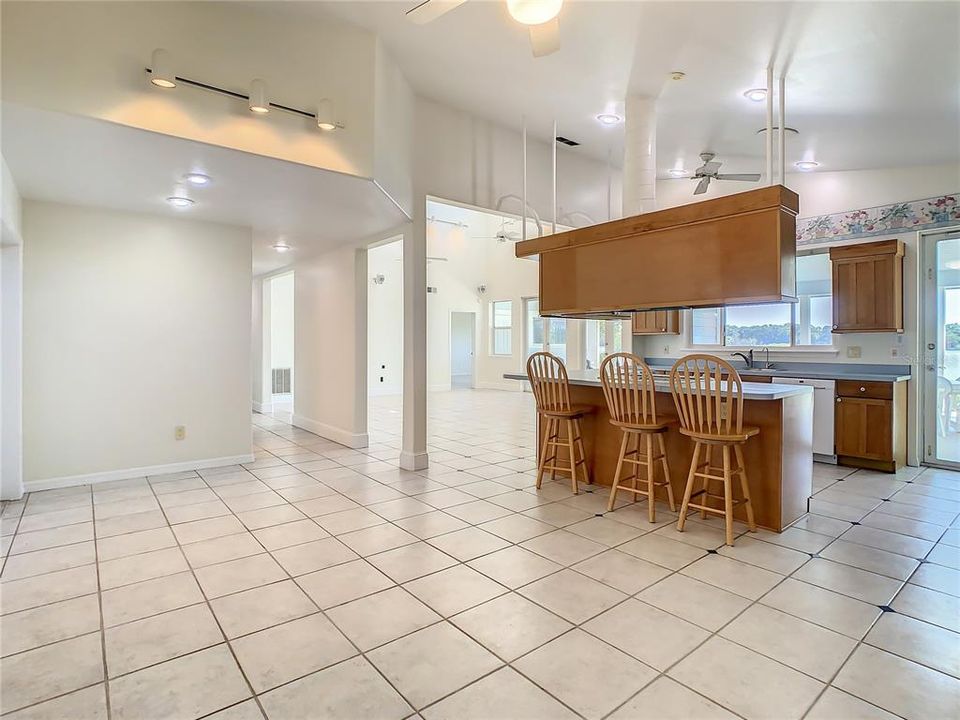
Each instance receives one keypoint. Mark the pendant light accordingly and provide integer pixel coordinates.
(325, 117)
(161, 69)
(258, 97)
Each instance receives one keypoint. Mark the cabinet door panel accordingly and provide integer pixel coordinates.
(864, 428)
(850, 426)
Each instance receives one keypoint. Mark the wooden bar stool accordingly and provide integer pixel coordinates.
(551, 390)
(709, 398)
(628, 387)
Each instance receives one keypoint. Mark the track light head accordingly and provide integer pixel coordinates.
(258, 97)
(325, 117)
(161, 69)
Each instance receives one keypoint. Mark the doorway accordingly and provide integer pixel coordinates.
(281, 347)
(463, 332)
(941, 347)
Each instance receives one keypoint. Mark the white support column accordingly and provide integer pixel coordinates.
(640, 156)
(413, 454)
(260, 362)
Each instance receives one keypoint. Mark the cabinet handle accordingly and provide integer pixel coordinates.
(863, 389)
(835, 327)
(839, 399)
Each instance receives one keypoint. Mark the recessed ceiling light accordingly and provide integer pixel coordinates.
(179, 201)
(806, 164)
(677, 172)
(280, 246)
(198, 179)
(789, 130)
(756, 94)
(609, 119)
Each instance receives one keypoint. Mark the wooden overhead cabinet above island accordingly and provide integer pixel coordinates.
(734, 250)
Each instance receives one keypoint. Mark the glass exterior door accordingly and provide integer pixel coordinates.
(940, 347)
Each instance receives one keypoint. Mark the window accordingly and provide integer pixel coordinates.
(602, 338)
(549, 334)
(806, 322)
(501, 321)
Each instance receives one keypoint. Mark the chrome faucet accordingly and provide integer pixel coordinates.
(748, 358)
(766, 363)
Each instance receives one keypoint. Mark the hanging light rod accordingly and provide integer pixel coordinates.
(325, 125)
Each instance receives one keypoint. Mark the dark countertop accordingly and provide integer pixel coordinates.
(814, 371)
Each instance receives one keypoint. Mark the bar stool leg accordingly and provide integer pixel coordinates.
(745, 488)
(727, 495)
(616, 475)
(706, 481)
(651, 498)
(666, 472)
(573, 459)
(688, 490)
(545, 448)
(583, 453)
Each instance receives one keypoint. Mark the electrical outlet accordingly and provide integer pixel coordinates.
(666, 349)
(853, 351)
(894, 352)
(180, 432)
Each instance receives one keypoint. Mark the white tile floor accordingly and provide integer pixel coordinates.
(323, 582)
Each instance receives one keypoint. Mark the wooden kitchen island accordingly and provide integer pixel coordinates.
(779, 460)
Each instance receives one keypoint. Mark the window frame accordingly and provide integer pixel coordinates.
(796, 313)
(494, 327)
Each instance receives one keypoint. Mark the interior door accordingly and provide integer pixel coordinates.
(940, 348)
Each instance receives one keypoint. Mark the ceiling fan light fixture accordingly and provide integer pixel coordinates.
(806, 165)
(609, 119)
(534, 12)
(756, 94)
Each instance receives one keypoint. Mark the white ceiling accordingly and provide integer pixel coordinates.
(869, 84)
(83, 161)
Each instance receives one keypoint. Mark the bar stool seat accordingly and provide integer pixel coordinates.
(575, 411)
(707, 439)
(551, 390)
(631, 401)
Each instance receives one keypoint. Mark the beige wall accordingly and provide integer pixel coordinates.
(135, 324)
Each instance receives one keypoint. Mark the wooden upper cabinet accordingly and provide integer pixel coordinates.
(656, 322)
(868, 287)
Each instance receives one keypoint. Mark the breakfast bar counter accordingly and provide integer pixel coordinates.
(779, 460)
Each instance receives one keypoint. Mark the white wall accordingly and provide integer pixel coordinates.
(88, 59)
(393, 130)
(385, 319)
(281, 321)
(11, 337)
(330, 320)
(136, 324)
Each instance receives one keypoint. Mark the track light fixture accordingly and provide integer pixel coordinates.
(162, 75)
(257, 101)
(161, 72)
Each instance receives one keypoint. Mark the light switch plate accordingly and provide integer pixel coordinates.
(853, 351)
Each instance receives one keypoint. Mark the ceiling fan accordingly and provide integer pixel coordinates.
(503, 235)
(708, 171)
(540, 16)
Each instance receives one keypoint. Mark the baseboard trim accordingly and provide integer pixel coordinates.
(339, 435)
(262, 407)
(414, 461)
(137, 472)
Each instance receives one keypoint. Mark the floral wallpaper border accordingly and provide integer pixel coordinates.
(882, 220)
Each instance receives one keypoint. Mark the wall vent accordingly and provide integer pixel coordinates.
(281, 381)
(567, 141)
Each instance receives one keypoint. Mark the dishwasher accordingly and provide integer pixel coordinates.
(823, 409)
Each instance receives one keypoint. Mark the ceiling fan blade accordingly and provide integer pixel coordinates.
(545, 38)
(702, 186)
(430, 10)
(751, 177)
(709, 168)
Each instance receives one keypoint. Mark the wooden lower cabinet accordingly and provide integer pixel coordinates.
(870, 431)
(656, 322)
